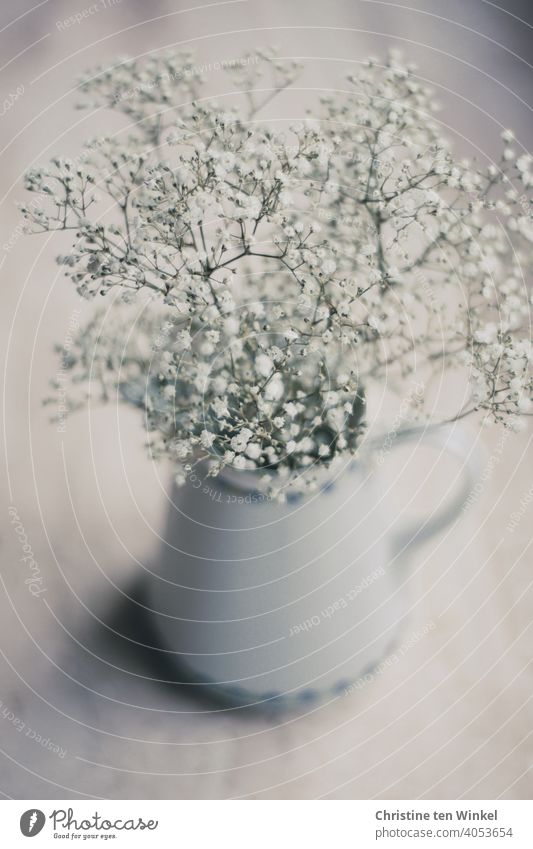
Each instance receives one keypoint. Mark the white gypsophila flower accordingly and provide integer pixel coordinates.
(270, 278)
(239, 442)
(264, 365)
(207, 438)
(253, 450)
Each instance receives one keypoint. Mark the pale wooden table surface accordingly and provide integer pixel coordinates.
(452, 717)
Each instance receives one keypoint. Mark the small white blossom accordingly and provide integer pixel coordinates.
(238, 443)
(263, 365)
(253, 450)
(207, 438)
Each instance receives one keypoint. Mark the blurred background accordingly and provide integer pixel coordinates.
(87, 708)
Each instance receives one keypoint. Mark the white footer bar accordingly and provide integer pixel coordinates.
(268, 824)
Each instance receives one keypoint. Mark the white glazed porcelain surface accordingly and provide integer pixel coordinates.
(268, 601)
(266, 598)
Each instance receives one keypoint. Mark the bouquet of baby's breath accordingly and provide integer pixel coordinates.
(268, 279)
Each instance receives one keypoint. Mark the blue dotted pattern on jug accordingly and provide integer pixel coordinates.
(298, 497)
(241, 697)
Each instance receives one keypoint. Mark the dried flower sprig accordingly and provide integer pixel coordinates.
(290, 271)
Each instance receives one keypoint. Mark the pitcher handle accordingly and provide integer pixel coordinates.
(458, 442)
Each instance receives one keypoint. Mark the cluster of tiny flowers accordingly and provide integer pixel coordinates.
(270, 278)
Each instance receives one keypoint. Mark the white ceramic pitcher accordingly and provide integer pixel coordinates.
(271, 603)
